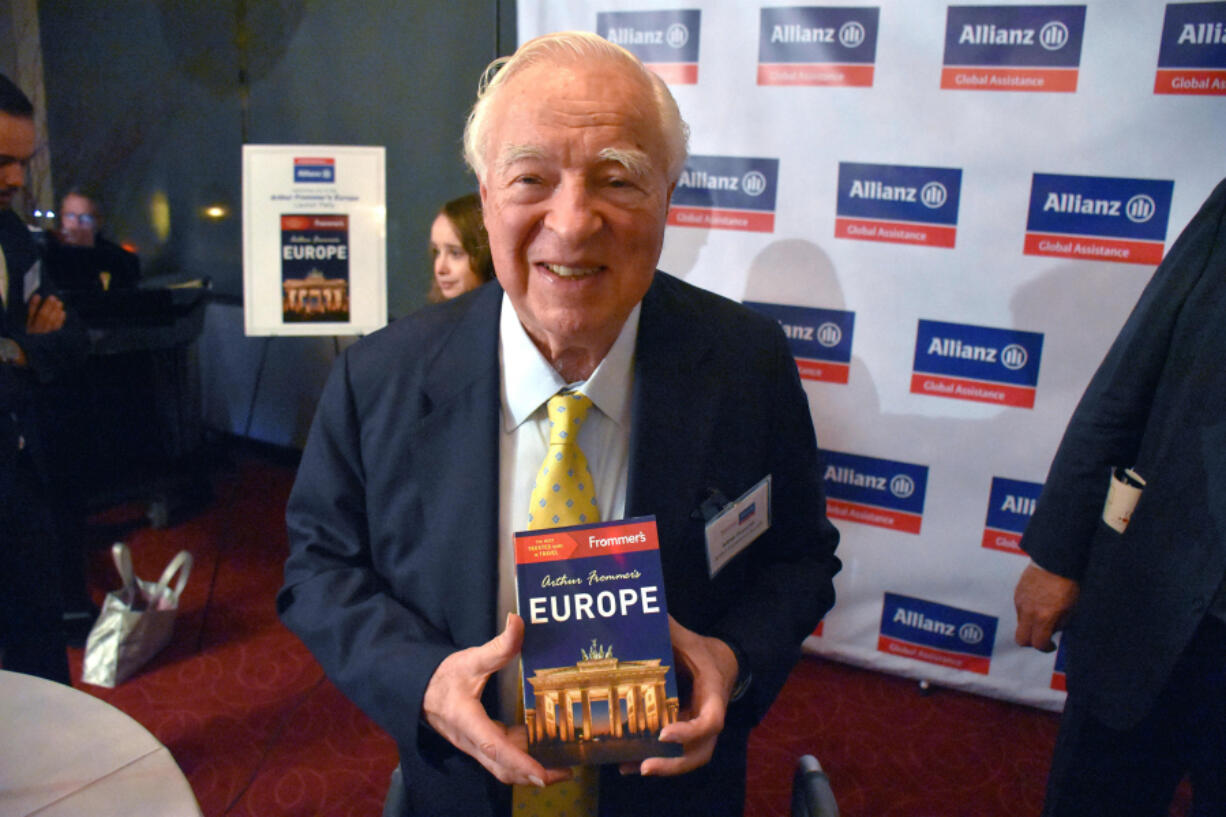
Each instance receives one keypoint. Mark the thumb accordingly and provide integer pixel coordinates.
(499, 651)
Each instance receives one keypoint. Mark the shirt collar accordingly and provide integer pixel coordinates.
(528, 380)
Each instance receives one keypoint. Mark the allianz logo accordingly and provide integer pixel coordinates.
(753, 183)
(1139, 209)
(1013, 356)
(1205, 33)
(1052, 36)
(675, 36)
(932, 195)
(1022, 505)
(900, 485)
(849, 35)
(968, 633)
(828, 334)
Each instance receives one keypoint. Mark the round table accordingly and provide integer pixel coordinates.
(65, 752)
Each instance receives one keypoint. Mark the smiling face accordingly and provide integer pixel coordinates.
(453, 269)
(575, 196)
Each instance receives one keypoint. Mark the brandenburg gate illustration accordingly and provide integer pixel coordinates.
(315, 293)
(599, 677)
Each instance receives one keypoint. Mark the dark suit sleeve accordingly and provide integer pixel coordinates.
(49, 355)
(54, 355)
(1107, 427)
(377, 650)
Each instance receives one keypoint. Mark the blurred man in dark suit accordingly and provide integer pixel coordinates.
(80, 258)
(1142, 590)
(38, 342)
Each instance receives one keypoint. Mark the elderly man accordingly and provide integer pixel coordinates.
(38, 342)
(420, 463)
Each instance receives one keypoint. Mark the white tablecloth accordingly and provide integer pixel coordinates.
(64, 752)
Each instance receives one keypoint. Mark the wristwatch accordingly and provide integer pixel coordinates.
(10, 352)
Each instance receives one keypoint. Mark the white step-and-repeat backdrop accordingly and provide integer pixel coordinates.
(951, 209)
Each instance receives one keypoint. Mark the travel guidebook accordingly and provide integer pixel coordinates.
(597, 659)
(315, 267)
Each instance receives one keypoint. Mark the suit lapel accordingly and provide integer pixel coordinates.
(460, 435)
(673, 409)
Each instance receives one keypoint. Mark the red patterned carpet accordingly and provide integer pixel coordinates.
(258, 731)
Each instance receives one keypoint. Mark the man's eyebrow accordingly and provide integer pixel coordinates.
(636, 161)
(515, 153)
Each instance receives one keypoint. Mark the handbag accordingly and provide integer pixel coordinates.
(136, 621)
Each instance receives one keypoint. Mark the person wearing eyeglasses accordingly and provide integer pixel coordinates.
(80, 258)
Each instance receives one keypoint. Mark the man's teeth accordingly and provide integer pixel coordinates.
(571, 272)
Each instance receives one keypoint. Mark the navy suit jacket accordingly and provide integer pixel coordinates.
(49, 355)
(1156, 404)
(393, 521)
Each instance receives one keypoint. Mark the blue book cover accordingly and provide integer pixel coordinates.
(315, 268)
(597, 660)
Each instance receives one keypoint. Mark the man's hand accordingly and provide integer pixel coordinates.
(1043, 601)
(452, 706)
(44, 315)
(711, 667)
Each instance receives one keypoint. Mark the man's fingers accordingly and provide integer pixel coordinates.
(488, 742)
(1043, 601)
(697, 753)
(1031, 634)
(44, 314)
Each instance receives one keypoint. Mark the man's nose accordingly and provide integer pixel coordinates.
(12, 174)
(573, 213)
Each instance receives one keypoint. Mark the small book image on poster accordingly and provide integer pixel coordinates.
(315, 268)
(597, 659)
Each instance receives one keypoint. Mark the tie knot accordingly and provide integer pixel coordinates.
(567, 411)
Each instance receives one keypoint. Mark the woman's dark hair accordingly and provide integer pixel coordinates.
(464, 214)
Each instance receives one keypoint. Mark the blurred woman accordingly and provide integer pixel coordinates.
(459, 249)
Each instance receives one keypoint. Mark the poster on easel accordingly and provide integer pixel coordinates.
(314, 240)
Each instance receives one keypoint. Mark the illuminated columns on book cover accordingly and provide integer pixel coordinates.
(638, 686)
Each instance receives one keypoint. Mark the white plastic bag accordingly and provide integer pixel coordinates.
(136, 621)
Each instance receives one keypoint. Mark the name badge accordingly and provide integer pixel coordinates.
(738, 524)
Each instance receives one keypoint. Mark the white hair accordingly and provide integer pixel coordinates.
(571, 46)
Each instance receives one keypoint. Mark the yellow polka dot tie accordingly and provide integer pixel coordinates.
(563, 495)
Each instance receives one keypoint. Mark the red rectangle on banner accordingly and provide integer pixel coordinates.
(819, 630)
(747, 220)
(978, 391)
(1199, 81)
(1058, 682)
(1094, 249)
(819, 75)
(1003, 540)
(895, 232)
(871, 515)
(970, 78)
(822, 370)
(971, 663)
(675, 73)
